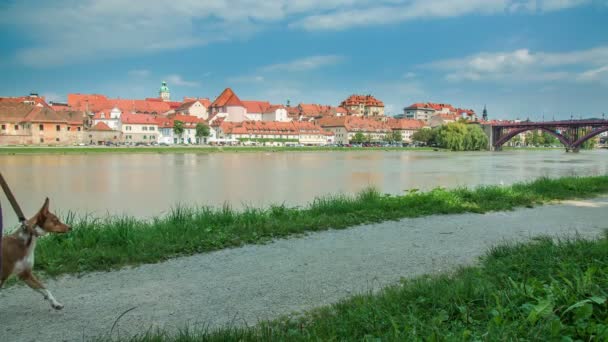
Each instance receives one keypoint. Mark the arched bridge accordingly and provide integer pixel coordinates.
(572, 134)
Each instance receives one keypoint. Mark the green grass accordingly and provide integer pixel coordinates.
(99, 244)
(190, 149)
(541, 291)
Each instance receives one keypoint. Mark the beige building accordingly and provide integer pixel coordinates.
(139, 128)
(363, 105)
(31, 124)
(101, 133)
(345, 128)
(197, 107)
(407, 127)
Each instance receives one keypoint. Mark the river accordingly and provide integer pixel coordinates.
(146, 185)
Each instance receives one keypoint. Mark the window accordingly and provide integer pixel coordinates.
(144, 137)
(4, 127)
(78, 129)
(41, 127)
(16, 127)
(144, 128)
(69, 128)
(58, 128)
(152, 128)
(56, 139)
(41, 139)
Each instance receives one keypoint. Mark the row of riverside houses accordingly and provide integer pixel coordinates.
(97, 119)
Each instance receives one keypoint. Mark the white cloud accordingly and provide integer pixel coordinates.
(305, 64)
(409, 75)
(599, 74)
(399, 11)
(139, 73)
(67, 31)
(524, 65)
(177, 80)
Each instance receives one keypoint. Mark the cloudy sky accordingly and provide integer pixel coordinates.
(523, 58)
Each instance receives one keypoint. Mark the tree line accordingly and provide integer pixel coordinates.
(455, 136)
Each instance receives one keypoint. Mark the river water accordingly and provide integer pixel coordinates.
(147, 185)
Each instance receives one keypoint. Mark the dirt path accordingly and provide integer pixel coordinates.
(254, 283)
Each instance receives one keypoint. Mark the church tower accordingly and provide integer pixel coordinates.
(164, 92)
(485, 114)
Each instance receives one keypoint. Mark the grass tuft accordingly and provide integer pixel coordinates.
(102, 244)
(546, 290)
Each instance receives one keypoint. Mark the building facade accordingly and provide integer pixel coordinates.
(363, 105)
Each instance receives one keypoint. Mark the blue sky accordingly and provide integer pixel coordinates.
(523, 58)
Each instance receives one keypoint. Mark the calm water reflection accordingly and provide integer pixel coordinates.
(149, 184)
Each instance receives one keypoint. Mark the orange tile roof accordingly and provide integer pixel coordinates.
(138, 119)
(96, 102)
(101, 126)
(227, 98)
(38, 100)
(256, 106)
(316, 110)
(366, 100)
(355, 124)
(11, 111)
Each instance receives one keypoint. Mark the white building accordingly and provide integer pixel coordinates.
(110, 117)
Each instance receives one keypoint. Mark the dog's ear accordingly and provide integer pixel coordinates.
(45, 207)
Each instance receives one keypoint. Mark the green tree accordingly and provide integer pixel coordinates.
(425, 136)
(358, 138)
(590, 144)
(458, 136)
(396, 137)
(178, 129)
(202, 131)
(550, 139)
(452, 136)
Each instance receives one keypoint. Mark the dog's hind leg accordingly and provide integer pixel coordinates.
(30, 279)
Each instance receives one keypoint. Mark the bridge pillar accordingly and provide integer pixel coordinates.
(489, 131)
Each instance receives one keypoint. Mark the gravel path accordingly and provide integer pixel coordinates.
(245, 285)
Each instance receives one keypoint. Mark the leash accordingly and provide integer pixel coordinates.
(16, 208)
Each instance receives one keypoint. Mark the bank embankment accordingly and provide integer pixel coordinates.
(102, 244)
(243, 286)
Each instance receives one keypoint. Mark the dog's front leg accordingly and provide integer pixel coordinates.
(30, 279)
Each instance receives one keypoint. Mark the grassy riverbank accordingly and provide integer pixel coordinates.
(540, 291)
(189, 149)
(104, 244)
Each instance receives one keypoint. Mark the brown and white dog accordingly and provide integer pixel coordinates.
(18, 250)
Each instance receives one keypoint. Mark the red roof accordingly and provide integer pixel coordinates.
(354, 124)
(256, 106)
(138, 119)
(227, 98)
(14, 111)
(316, 110)
(96, 102)
(101, 126)
(30, 100)
(366, 100)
